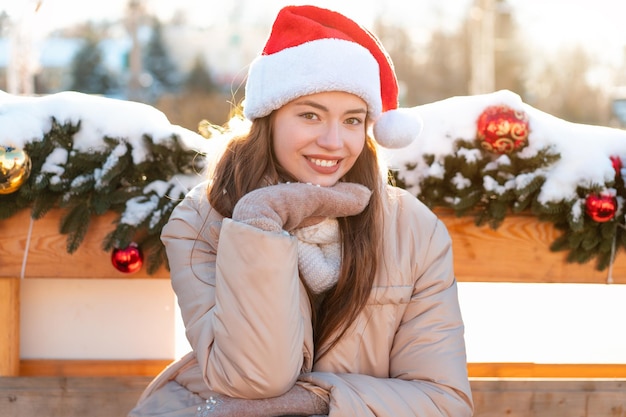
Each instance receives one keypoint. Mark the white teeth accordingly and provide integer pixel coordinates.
(324, 162)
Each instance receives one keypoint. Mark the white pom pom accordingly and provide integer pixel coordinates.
(397, 128)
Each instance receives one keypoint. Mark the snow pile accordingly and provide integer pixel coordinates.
(27, 119)
(584, 150)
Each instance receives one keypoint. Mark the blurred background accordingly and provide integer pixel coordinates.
(189, 58)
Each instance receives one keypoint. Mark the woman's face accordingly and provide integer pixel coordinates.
(317, 138)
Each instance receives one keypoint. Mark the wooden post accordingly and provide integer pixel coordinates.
(9, 326)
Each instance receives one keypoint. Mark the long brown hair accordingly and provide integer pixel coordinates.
(248, 163)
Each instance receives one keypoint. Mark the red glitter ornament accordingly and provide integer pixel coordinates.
(601, 207)
(127, 260)
(502, 130)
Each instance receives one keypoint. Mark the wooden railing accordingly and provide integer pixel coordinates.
(499, 388)
(526, 240)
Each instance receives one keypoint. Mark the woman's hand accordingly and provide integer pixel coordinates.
(288, 206)
(296, 402)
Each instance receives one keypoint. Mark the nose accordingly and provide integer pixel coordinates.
(330, 138)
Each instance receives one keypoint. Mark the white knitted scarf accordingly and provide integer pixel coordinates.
(319, 254)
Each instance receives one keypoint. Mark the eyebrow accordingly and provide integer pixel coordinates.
(319, 106)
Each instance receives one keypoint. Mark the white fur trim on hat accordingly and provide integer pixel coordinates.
(312, 67)
(397, 128)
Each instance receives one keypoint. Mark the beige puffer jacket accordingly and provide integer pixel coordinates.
(247, 317)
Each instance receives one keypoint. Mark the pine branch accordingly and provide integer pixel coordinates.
(75, 224)
(89, 183)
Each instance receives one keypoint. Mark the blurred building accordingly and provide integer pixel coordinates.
(226, 50)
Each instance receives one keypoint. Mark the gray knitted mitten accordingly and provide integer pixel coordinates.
(287, 206)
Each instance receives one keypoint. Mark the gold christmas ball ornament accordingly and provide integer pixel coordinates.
(15, 167)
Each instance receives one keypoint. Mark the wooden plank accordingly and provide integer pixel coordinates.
(549, 398)
(518, 251)
(47, 253)
(151, 367)
(113, 397)
(69, 397)
(9, 326)
(92, 368)
(546, 370)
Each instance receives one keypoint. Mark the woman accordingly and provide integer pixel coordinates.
(307, 285)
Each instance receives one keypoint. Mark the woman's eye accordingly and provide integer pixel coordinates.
(309, 116)
(353, 121)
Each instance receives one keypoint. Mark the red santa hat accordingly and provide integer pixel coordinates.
(312, 50)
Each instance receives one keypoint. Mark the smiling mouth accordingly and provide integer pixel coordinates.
(324, 162)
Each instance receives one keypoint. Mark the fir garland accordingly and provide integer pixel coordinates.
(469, 181)
(92, 183)
(143, 192)
(473, 182)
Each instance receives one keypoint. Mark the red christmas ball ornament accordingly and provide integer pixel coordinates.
(128, 259)
(601, 207)
(616, 161)
(502, 130)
